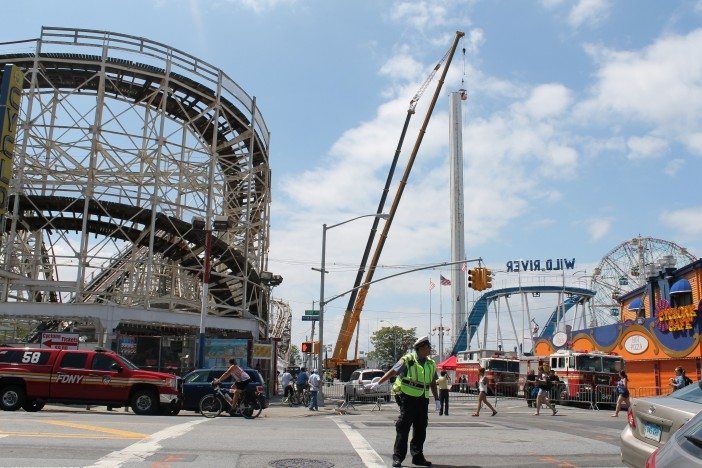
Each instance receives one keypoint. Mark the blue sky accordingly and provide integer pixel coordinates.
(582, 129)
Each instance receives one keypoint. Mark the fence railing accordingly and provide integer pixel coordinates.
(650, 391)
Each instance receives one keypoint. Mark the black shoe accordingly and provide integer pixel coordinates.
(421, 462)
(396, 463)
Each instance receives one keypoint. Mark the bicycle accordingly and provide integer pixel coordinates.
(300, 398)
(212, 405)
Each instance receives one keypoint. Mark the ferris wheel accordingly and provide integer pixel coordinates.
(626, 268)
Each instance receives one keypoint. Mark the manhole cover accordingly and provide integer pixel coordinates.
(300, 463)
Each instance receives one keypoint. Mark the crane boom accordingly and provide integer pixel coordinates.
(353, 314)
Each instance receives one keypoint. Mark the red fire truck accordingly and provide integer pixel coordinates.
(581, 372)
(501, 367)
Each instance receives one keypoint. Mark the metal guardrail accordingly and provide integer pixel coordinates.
(641, 392)
(606, 395)
(579, 394)
(348, 395)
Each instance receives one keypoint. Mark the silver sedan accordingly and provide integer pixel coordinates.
(654, 420)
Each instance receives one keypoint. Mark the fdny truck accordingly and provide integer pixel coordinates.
(581, 372)
(501, 367)
(32, 377)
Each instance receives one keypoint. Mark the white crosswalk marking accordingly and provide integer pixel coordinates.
(368, 455)
(144, 448)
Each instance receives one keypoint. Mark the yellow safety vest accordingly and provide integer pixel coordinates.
(417, 380)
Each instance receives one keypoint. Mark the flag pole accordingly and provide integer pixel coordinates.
(430, 288)
(441, 320)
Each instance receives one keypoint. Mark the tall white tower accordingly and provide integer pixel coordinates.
(458, 250)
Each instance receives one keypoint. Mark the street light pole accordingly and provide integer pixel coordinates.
(204, 299)
(322, 272)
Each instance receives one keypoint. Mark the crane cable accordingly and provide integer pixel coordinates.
(423, 87)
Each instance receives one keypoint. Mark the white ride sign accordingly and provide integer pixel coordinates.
(59, 340)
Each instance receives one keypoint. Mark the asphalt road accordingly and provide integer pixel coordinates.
(61, 436)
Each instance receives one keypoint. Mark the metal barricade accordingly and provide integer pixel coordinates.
(506, 390)
(573, 394)
(462, 397)
(606, 395)
(641, 392)
(356, 394)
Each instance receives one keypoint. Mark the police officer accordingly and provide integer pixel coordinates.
(416, 375)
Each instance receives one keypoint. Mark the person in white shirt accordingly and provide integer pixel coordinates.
(314, 389)
(285, 380)
(482, 395)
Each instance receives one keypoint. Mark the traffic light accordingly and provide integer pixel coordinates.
(475, 279)
(306, 347)
(488, 279)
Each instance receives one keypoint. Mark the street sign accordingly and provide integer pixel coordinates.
(311, 312)
(59, 340)
(310, 318)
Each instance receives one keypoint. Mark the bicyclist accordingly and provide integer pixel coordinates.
(241, 380)
(301, 382)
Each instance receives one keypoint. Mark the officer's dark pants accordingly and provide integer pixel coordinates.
(414, 413)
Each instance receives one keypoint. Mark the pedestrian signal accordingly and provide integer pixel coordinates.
(306, 347)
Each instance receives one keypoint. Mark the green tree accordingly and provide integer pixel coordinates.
(295, 357)
(390, 344)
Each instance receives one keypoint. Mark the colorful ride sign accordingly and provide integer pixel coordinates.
(10, 97)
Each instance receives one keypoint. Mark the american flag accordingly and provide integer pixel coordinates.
(431, 284)
(444, 281)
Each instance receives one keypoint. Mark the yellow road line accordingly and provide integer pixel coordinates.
(104, 430)
(58, 435)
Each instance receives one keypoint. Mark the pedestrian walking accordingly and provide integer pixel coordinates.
(443, 384)
(314, 382)
(543, 382)
(622, 393)
(482, 393)
(530, 389)
(416, 377)
(285, 380)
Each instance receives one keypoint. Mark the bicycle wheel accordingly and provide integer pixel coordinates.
(306, 398)
(251, 409)
(210, 406)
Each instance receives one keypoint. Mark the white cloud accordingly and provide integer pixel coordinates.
(598, 228)
(693, 142)
(402, 67)
(589, 11)
(420, 14)
(551, 3)
(661, 84)
(674, 166)
(548, 100)
(260, 6)
(646, 147)
(686, 221)
(476, 38)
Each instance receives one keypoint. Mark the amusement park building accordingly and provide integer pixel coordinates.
(658, 329)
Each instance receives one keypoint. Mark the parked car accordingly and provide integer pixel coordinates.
(683, 450)
(32, 377)
(355, 388)
(198, 383)
(654, 420)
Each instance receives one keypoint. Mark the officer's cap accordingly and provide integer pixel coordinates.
(424, 340)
